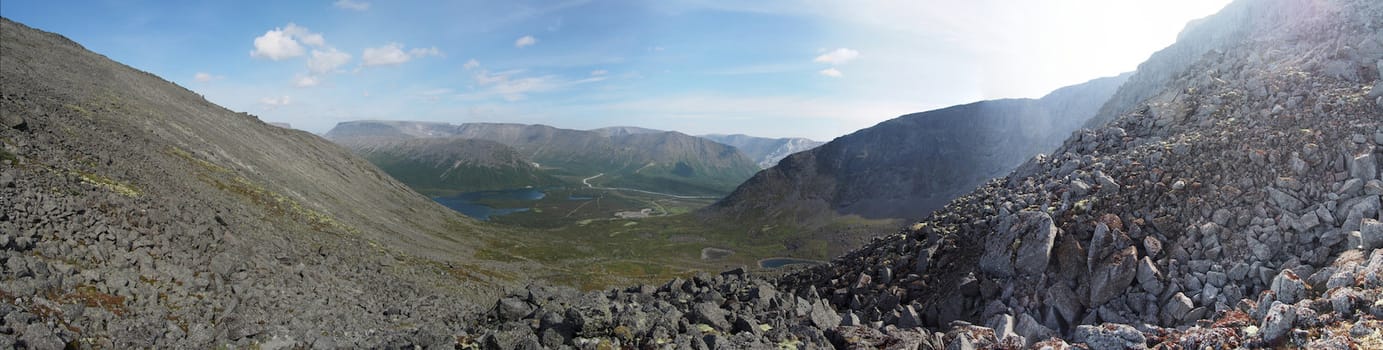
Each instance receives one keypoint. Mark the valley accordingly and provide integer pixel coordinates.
(1225, 194)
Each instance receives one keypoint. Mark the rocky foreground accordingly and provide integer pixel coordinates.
(1236, 206)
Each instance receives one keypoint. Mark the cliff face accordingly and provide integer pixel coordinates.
(765, 151)
(911, 165)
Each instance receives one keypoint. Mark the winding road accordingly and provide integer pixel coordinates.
(588, 184)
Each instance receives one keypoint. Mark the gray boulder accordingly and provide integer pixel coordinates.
(1112, 276)
(1111, 336)
(1278, 321)
(1288, 287)
(1371, 234)
(1364, 167)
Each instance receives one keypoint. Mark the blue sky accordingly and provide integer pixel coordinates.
(812, 68)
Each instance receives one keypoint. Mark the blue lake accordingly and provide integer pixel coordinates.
(773, 263)
(578, 197)
(465, 203)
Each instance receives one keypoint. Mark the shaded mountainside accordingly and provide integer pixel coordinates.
(134, 213)
(765, 151)
(660, 161)
(447, 166)
(908, 166)
(1236, 206)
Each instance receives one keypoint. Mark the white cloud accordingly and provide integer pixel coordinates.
(599, 72)
(352, 5)
(304, 35)
(328, 60)
(385, 55)
(838, 56)
(275, 102)
(205, 77)
(472, 64)
(306, 81)
(276, 45)
(831, 72)
(283, 43)
(393, 54)
(526, 40)
(425, 52)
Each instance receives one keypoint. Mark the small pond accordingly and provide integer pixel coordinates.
(466, 203)
(773, 263)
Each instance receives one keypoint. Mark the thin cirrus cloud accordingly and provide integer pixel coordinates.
(831, 72)
(276, 102)
(393, 54)
(306, 81)
(351, 5)
(526, 40)
(328, 60)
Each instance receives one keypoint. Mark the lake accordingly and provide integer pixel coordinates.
(465, 203)
(773, 263)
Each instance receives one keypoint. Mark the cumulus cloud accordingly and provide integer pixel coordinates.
(205, 77)
(526, 40)
(472, 64)
(287, 42)
(831, 72)
(352, 5)
(305, 81)
(838, 56)
(327, 60)
(276, 45)
(393, 54)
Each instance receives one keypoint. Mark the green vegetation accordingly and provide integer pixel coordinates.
(106, 183)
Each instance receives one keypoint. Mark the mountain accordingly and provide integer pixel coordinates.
(1235, 205)
(911, 165)
(447, 166)
(136, 214)
(645, 159)
(765, 151)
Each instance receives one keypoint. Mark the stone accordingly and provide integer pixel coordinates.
(1064, 300)
(1038, 235)
(1177, 308)
(1110, 336)
(1288, 287)
(712, 315)
(823, 316)
(1107, 183)
(1277, 322)
(1111, 277)
(909, 318)
(1351, 187)
(1284, 200)
(1149, 277)
(512, 309)
(1031, 330)
(1363, 166)
(1370, 234)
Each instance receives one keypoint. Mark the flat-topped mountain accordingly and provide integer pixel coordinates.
(908, 166)
(661, 161)
(765, 151)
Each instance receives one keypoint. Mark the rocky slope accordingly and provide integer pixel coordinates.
(447, 166)
(765, 151)
(661, 161)
(136, 214)
(1237, 206)
(908, 166)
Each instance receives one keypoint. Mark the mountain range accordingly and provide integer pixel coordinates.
(906, 167)
(645, 159)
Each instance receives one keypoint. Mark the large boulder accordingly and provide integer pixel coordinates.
(1112, 275)
(1364, 167)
